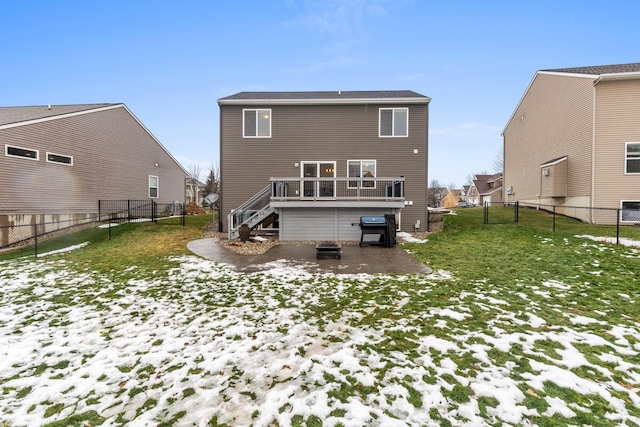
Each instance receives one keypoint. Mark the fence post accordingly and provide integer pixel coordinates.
(617, 226)
(128, 210)
(35, 236)
(517, 212)
(486, 212)
(153, 212)
(184, 215)
(554, 219)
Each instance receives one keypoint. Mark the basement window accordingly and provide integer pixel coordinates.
(25, 153)
(59, 158)
(630, 211)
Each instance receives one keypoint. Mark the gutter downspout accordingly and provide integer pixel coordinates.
(593, 151)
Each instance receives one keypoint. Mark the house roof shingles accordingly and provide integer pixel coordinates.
(597, 70)
(9, 115)
(326, 96)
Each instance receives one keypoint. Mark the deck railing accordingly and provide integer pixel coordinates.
(295, 189)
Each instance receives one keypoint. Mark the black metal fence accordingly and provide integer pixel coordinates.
(36, 227)
(615, 223)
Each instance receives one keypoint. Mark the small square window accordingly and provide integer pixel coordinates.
(256, 123)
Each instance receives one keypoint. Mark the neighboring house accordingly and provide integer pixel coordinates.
(452, 199)
(435, 196)
(312, 163)
(195, 191)
(464, 193)
(574, 140)
(61, 159)
(485, 188)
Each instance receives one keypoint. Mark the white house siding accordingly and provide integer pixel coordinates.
(617, 122)
(553, 119)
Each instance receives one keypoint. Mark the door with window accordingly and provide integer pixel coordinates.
(318, 187)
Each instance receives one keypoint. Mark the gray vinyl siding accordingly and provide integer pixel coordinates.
(617, 122)
(324, 223)
(322, 133)
(113, 156)
(553, 119)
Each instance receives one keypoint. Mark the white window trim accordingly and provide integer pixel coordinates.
(317, 163)
(393, 118)
(6, 152)
(157, 187)
(626, 158)
(59, 163)
(621, 208)
(360, 179)
(256, 111)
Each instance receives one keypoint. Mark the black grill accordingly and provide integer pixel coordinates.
(382, 225)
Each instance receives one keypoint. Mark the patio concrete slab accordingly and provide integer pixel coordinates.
(355, 259)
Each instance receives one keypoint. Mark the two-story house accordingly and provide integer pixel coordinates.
(310, 164)
(485, 188)
(574, 140)
(58, 161)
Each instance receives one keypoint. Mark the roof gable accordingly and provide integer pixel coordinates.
(10, 115)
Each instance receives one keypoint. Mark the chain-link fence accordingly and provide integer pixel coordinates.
(28, 229)
(613, 224)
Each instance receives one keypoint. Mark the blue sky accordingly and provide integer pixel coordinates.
(170, 61)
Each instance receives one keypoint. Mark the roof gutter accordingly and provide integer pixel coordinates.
(328, 101)
(617, 76)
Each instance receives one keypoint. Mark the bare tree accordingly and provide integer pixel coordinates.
(212, 186)
(193, 182)
(498, 163)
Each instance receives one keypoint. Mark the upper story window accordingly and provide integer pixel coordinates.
(394, 122)
(59, 158)
(154, 185)
(361, 169)
(256, 123)
(632, 164)
(25, 153)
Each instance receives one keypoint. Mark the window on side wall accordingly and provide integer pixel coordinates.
(154, 184)
(394, 122)
(256, 123)
(630, 211)
(25, 153)
(361, 169)
(59, 158)
(632, 156)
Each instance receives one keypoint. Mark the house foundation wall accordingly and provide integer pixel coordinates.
(336, 224)
(15, 228)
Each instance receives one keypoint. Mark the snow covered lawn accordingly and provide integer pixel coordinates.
(203, 345)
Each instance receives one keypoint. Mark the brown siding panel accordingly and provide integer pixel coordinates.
(322, 133)
(113, 155)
